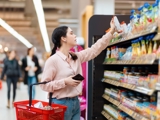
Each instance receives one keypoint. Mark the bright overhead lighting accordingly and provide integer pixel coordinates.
(68, 20)
(6, 49)
(15, 34)
(42, 23)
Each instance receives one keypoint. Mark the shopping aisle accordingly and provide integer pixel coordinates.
(22, 94)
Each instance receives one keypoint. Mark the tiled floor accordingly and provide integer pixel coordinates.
(22, 94)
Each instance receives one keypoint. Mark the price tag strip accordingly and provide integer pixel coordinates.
(130, 86)
(106, 97)
(115, 102)
(106, 115)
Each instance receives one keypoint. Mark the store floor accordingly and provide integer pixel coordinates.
(22, 94)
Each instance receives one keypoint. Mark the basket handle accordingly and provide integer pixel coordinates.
(30, 93)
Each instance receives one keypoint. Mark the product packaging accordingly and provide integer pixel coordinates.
(117, 24)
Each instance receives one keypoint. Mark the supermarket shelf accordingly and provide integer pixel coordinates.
(131, 62)
(129, 86)
(130, 39)
(128, 111)
(107, 115)
(115, 102)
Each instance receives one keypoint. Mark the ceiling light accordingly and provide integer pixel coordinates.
(6, 49)
(15, 34)
(42, 23)
(68, 20)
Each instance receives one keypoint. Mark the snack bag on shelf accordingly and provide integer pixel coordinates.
(155, 47)
(149, 13)
(139, 27)
(112, 51)
(153, 79)
(146, 82)
(158, 53)
(122, 115)
(155, 12)
(133, 79)
(141, 18)
(116, 52)
(121, 52)
(138, 48)
(129, 103)
(143, 46)
(147, 43)
(145, 111)
(144, 15)
(107, 91)
(129, 29)
(141, 81)
(117, 24)
(153, 107)
(108, 55)
(150, 47)
(133, 12)
(134, 49)
(132, 22)
(135, 19)
(158, 2)
(124, 30)
(128, 54)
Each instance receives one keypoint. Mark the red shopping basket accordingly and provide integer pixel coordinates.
(26, 111)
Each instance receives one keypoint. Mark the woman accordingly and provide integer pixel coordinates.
(12, 71)
(31, 68)
(63, 65)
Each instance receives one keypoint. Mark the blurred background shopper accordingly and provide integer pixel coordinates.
(12, 71)
(31, 68)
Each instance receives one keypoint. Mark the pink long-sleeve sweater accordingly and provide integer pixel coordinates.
(57, 69)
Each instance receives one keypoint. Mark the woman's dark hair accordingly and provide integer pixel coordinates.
(56, 39)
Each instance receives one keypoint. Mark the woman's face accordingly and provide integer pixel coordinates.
(12, 54)
(31, 52)
(71, 38)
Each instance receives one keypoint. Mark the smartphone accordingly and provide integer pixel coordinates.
(78, 77)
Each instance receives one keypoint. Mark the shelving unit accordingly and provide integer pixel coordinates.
(97, 83)
(130, 112)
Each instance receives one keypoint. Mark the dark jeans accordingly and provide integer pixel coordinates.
(12, 80)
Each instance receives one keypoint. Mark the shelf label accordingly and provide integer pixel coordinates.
(111, 118)
(106, 97)
(114, 102)
(133, 87)
(118, 83)
(105, 114)
(111, 100)
(114, 83)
